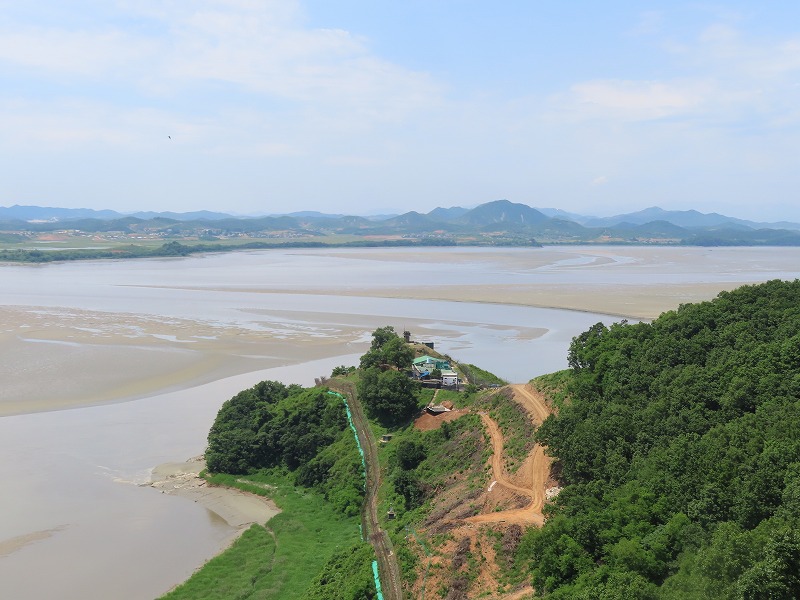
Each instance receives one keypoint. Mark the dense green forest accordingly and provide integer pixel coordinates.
(679, 444)
(300, 431)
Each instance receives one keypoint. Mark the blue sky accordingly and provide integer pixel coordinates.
(368, 106)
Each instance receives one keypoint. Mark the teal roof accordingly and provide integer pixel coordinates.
(424, 359)
(437, 363)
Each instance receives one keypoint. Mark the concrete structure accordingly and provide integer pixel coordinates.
(449, 378)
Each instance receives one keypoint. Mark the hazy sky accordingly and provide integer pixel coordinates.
(370, 106)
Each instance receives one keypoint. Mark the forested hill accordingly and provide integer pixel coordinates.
(680, 448)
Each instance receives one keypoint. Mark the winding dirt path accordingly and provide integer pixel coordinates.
(532, 477)
(532, 401)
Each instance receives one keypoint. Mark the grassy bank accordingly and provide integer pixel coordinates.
(275, 561)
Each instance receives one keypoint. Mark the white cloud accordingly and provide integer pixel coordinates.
(633, 100)
(256, 48)
(726, 50)
(722, 79)
(91, 54)
(242, 87)
(71, 124)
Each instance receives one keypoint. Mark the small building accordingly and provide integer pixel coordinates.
(449, 378)
(429, 363)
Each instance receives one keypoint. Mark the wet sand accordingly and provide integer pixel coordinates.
(634, 282)
(12, 545)
(56, 359)
(643, 302)
(52, 359)
(238, 509)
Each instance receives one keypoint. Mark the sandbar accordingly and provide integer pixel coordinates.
(641, 302)
(60, 358)
(16, 543)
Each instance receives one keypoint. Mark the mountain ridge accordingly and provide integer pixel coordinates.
(683, 218)
(499, 222)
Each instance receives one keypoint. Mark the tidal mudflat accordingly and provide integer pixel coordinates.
(112, 368)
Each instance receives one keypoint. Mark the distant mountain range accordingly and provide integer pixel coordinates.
(500, 221)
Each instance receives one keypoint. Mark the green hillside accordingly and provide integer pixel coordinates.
(679, 445)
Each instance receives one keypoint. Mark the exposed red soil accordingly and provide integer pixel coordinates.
(429, 422)
(507, 502)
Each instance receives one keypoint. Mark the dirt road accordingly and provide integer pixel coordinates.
(388, 567)
(531, 401)
(534, 472)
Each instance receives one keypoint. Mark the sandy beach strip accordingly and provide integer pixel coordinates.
(239, 509)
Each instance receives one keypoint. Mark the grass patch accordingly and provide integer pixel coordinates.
(457, 398)
(516, 425)
(480, 377)
(554, 386)
(347, 576)
(236, 573)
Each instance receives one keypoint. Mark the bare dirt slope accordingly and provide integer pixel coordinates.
(532, 477)
(508, 505)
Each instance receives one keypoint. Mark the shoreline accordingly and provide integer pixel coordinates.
(238, 508)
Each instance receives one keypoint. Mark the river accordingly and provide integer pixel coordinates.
(112, 367)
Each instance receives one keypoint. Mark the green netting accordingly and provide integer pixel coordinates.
(355, 434)
(377, 579)
(364, 467)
